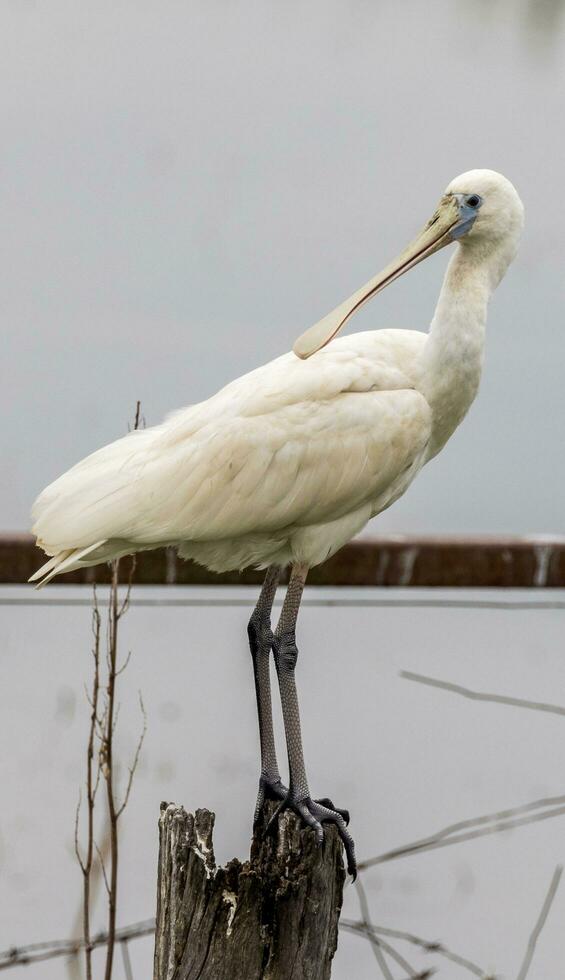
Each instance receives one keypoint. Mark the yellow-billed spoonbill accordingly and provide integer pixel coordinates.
(286, 464)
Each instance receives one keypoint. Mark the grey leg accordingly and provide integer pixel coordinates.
(260, 642)
(313, 812)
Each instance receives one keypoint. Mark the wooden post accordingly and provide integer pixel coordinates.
(274, 917)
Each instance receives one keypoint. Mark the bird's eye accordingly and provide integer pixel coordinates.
(473, 201)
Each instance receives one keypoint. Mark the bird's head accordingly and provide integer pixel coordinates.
(489, 209)
(479, 209)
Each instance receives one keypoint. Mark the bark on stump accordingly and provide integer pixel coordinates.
(274, 917)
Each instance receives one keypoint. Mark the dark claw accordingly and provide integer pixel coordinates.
(272, 822)
(330, 815)
(310, 819)
(269, 789)
(325, 801)
(315, 813)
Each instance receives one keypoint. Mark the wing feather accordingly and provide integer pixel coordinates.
(292, 443)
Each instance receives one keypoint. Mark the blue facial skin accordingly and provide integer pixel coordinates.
(469, 205)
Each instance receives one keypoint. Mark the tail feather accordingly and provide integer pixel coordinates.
(52, 563)
(65, 561)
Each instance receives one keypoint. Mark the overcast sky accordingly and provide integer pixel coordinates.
(185, 187)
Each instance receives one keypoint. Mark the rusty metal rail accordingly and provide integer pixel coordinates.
(471, 562)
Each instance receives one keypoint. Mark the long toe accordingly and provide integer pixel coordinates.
(325, 814)
(304, 810)
(325, 801)
(315, 813)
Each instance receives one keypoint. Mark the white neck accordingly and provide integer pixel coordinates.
(453, 356)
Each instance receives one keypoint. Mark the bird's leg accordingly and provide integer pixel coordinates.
(313, 812)
(260, 642)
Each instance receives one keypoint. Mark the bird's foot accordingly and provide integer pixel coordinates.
(269, 789)
(315, 813)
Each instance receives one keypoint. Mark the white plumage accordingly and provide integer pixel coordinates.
(288, 462)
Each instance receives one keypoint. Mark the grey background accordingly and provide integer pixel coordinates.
(184, 187)
(406, 759)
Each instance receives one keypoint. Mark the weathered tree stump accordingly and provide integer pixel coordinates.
(274, 917)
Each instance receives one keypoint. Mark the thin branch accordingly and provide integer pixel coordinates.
(365, 932)
(124, 665)
(115, 612)
(97, 780)
(107, 749)
(429, 946)
(548, 901)
(133, 767)
(123, 608)
(440, 949)
(37, 952)
(103, 867)
(77, 847)
(92, 782)
(402, 962)
(375, 944)
(139, 420)
(117, 710)
(492, 823)
(102, 728)
(465, 692)
(378, 943)
(126, 960)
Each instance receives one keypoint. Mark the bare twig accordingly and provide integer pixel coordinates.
(37, 952)
(77, 846)
(139, 420)
(92, 780)
(464, 830)
(124, 665)
(372, 933)
(440, 949)
(107, 754)
(548, 901)
(103, 868)
(465, 692)
(123, 608)
(116, 610)
(375, 945)
(133, 767)
(126, 960)
(400, 960)
(429, 946)
(103, 720)
(378, 943)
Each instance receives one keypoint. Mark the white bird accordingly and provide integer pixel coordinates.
(287, 463)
